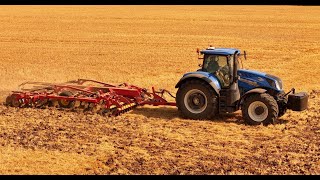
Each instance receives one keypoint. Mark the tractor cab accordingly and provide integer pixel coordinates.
(221, 62)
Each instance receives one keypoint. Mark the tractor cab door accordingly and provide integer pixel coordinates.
(220, 66)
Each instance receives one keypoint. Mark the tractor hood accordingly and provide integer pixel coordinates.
(250, 79)
(252, 72)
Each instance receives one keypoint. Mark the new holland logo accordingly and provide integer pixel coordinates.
(252, 83)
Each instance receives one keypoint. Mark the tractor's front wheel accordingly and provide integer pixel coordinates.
(260, 108)
(196, 100)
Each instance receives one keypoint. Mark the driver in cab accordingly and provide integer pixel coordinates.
(218, 65)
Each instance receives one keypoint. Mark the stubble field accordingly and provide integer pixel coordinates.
(153, 46)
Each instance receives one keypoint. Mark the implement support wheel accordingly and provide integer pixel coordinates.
(66, 103)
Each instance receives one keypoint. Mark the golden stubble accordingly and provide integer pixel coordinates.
(153, 46)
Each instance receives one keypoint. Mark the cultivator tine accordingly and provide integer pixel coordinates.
(76, 105)
(55, 104)
(125, 108)
(41, 103)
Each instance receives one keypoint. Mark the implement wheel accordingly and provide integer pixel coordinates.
(66, 103)
(8, 100)
(13, 101)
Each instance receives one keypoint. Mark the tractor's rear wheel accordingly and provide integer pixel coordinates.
(66, 103)
(196, 100)
(260, 108)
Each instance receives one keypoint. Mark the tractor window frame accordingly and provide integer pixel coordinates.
(231, 64)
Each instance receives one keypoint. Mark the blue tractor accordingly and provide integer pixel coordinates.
(220, 86)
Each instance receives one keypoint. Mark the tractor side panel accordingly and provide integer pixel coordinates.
(250, 80)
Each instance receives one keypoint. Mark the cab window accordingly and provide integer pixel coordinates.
(218, 65)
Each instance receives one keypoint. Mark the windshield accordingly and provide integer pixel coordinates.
(219, 66)
(212, 63)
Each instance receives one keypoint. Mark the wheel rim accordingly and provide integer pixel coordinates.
(64, 102)
(195, 101)
(258, 111)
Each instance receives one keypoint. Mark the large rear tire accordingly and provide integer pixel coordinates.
(260, 108)
(197, 100)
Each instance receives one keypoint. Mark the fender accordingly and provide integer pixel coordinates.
(252, 91)
(210, 79)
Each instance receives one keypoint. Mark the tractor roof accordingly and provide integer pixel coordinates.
(220, 51)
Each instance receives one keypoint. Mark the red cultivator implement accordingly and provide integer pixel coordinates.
(99, 97)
